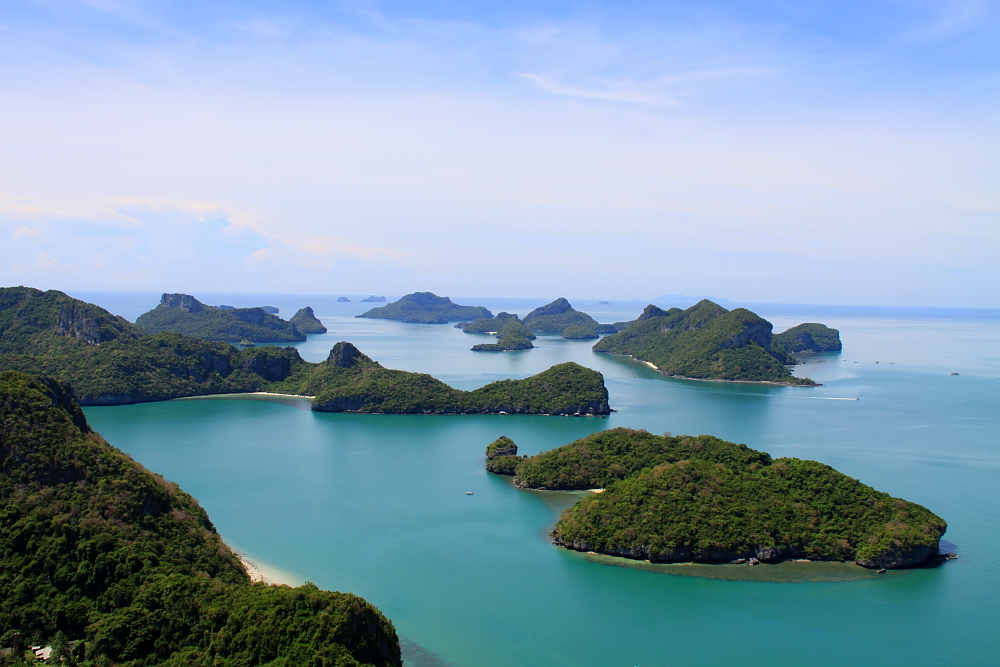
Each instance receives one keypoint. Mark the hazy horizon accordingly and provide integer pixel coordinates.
(827, 153)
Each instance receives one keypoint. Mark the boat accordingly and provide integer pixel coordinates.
(882, 571)
(247, 343)
(468, 493)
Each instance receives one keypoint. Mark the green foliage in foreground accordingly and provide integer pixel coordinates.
(706, 342)
(512, 336)
(93, 547)
(809, 337)
(701, 498)
(229, 325)
(426, 308)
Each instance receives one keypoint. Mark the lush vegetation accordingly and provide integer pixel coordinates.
(579, 332)
(352, 382)
(488, 324)
(512, 336)
(183, 314)
(426, 308)
(706, 341)
(809, 337)
(555, 317)
(701, 498)
(306, 321)
(600, 459)
(501, 456)
(95, 548)
(133, 368)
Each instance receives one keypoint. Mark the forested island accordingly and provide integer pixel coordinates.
(307, 322)
(702, 499)
(512, 335)
(557, 316)
(109, 361)
(110, 564)
(426, 308)
(184, 314)
(705, 342)
(809, 337)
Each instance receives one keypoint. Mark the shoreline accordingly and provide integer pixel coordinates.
(264, 573)
(684, 377)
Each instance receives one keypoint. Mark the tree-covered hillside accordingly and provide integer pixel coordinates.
(706, 341)
(184, 314)
(704, 499)
(133, 368)
(95, 548)
(512, 336)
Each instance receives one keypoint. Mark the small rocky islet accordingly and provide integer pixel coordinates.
(669, 499)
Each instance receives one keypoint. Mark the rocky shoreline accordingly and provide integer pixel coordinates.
(685, 377)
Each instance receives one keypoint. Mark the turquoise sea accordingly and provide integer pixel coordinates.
(376, 504)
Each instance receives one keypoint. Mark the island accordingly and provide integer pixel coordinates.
(501, 456)
(426, 308)
(372, 299)
(809, 337)
(555, 317)
(702, 499)
(110, 361)
(487, 324)
(344, 299)
(109, 563)
(306, 321)
(184, 314)
(350, 381)
(705, 342)
(512, 336)
(579, 332)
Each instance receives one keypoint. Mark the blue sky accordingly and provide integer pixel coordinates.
(808, 151)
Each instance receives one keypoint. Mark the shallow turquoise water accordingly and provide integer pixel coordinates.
(376, 504)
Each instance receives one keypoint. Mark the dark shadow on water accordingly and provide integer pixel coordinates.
(415, 655)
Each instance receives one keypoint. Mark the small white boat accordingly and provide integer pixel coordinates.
(468, 493)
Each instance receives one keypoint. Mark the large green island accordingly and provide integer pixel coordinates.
(702, 499)
(426, 308)
(184, 314)
(110, 361)
(705, 342)
(111, 564)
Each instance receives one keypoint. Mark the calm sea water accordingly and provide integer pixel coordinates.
(376, 504)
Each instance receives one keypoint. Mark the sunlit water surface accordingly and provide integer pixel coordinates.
(376, 504)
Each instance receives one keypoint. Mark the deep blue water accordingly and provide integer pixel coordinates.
(376, 505)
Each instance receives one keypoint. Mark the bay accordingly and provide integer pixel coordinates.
(376, 504)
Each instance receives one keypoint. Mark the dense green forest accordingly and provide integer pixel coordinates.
(109, 362)
(555, 317)
(809, 337)
(426, 308)
(350, 381)
(307, 322)
(706, 341)
(98, 550)
(183, 314)
(512, 336)
(682, 498)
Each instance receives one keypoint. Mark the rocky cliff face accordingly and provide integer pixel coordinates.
(89, 324)
(344, 355)
(184, 302)
(757, 331)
